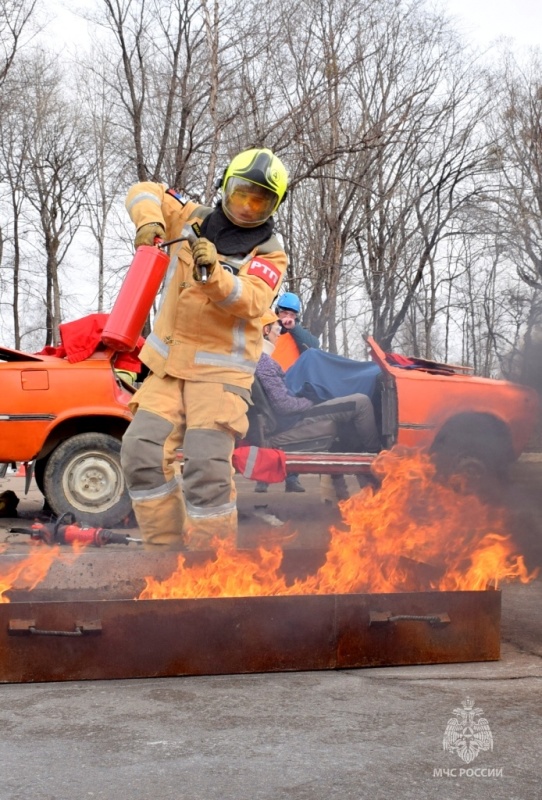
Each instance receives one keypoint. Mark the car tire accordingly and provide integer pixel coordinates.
(473, 464)
(83, 476)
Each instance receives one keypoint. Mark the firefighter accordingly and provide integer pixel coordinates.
(203, 349)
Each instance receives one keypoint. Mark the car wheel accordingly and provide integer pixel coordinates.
(83, 475)
(473, 465)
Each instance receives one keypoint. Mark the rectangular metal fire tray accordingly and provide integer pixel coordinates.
(59, 641)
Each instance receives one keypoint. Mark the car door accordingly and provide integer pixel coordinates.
(388, 395)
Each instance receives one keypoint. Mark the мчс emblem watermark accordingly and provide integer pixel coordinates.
(467, 735)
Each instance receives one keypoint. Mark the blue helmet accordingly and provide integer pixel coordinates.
(289, 302)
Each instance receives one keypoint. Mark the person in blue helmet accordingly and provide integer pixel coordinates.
(294, 339)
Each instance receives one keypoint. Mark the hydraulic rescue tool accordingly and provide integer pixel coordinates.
(138, 292)
(66, 531)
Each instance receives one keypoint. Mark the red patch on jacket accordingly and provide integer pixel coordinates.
(265, 270)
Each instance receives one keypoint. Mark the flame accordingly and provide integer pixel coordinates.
(412, 534)
(230, 574)
(28, 572)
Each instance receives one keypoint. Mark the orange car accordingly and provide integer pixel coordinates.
(465, 420)
(477, 426)
(65, 420)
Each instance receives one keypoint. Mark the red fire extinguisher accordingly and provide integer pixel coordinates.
(137, 293)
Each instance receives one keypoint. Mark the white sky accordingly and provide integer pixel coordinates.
(483, 21)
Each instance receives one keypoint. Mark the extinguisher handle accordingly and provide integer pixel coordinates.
(189, 235)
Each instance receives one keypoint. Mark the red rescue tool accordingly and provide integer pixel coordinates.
(66, 531)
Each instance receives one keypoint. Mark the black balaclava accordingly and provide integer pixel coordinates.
(230, 239)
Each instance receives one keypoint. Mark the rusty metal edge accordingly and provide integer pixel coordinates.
(210, 636)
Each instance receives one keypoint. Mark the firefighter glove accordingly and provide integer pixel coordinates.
(205, 256)
(148, 233)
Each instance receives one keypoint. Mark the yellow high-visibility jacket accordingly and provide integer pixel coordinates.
(205, 331)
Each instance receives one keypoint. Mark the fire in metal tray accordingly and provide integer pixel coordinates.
(412, 534)
(402, 582)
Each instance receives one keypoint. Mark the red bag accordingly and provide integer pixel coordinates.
(260, 463)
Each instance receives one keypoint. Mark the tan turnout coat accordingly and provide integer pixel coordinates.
(205, 332)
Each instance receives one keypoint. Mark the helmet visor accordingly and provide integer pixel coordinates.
(247, 204)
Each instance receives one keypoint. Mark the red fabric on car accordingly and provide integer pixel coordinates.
(260, 463)
(82, 337)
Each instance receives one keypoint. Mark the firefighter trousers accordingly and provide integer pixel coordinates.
(204, 419)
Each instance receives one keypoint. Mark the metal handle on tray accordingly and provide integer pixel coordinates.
(27, 627)
(385, 617)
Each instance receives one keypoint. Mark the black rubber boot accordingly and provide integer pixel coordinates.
(293, 485)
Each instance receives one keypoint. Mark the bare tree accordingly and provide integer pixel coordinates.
(16, 17)
(400, 196)
(17, 22)
(107, 161)
(165, 79)
(421, 175)
(382, 130)
(516, 152)
(13, 154)
(58, 171)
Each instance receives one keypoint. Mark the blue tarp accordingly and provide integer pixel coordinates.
(321, 376)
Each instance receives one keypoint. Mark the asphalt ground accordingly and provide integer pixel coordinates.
(351, 734)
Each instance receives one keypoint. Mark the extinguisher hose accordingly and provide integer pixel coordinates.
(188, 235)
